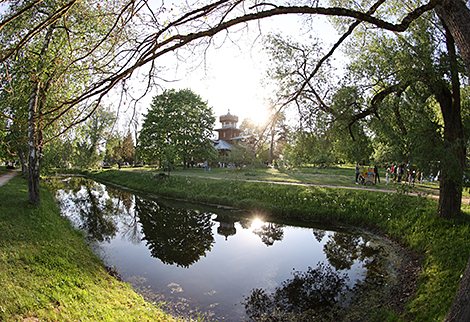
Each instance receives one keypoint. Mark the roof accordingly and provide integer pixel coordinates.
(222, 145)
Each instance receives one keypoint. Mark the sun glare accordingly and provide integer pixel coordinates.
(256, 224)
(259, 115)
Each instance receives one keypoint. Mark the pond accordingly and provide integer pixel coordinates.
(228, 265)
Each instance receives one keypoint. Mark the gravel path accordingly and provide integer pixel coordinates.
(7, 176)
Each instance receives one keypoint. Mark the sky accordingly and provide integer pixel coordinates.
(231, 76)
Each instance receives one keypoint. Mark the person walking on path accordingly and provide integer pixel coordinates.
(376, 172)
(358, 170)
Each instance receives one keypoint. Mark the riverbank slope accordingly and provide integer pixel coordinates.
(48, 273)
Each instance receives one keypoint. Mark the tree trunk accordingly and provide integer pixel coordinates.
(456, 16)
(271, 153)
(24, 167)
(453, 160)
(35, 139)
(35, 150)
(460, 309)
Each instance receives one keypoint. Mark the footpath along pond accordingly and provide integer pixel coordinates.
(230, 265)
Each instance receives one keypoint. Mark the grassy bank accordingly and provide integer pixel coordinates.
(48, 273)
(443, 245)
(340, 175)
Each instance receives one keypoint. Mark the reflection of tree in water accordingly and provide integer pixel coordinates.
(125, 200)
(343, 249)
(69, 184)
(246, 222)
(130, 229)
(315, 294)
(175, 236)
(270, 233)
(308, 296)
(319, 234)
(95, 211)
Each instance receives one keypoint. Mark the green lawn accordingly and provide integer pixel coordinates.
(48, 273)
(4, 169)
(341, 175)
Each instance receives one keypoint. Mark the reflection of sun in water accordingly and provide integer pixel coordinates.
(256, 224)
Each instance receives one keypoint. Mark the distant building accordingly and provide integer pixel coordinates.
(229, 127)
(228, 135)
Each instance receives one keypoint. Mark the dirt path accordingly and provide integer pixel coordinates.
(4, 178)
(357, 187)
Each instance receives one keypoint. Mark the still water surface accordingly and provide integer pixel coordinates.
(210, 260)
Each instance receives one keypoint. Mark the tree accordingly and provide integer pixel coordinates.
(112, 149)
(278, 132)
(128, 149)
(306, 147)
(119, 149)
(180, 121)
(60, 153)
(193, 28)
(413, 78)
(91, 136)
(269, 137)
(197, 26)
(47, 65)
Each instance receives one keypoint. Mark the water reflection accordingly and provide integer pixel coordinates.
(269, 233)
(175, 236)
(210, 261)
(129, 219)
(319, 294)
(226, 226)
(93, 212)
(308, 294)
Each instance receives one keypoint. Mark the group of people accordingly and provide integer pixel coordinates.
(407, 174)
(367, 176)
(397, 173)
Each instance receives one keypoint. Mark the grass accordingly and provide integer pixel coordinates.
(340, 175)
(48, 273)
(444, 246)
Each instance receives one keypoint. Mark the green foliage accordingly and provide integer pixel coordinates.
(59, 49)
(177, 122)
(91, 136)
(59, 154)
(119, 149)
(308, 148)
(348, 135)
(406, 73)
(330, 130)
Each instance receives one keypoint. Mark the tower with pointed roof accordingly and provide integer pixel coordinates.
(229, 127)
